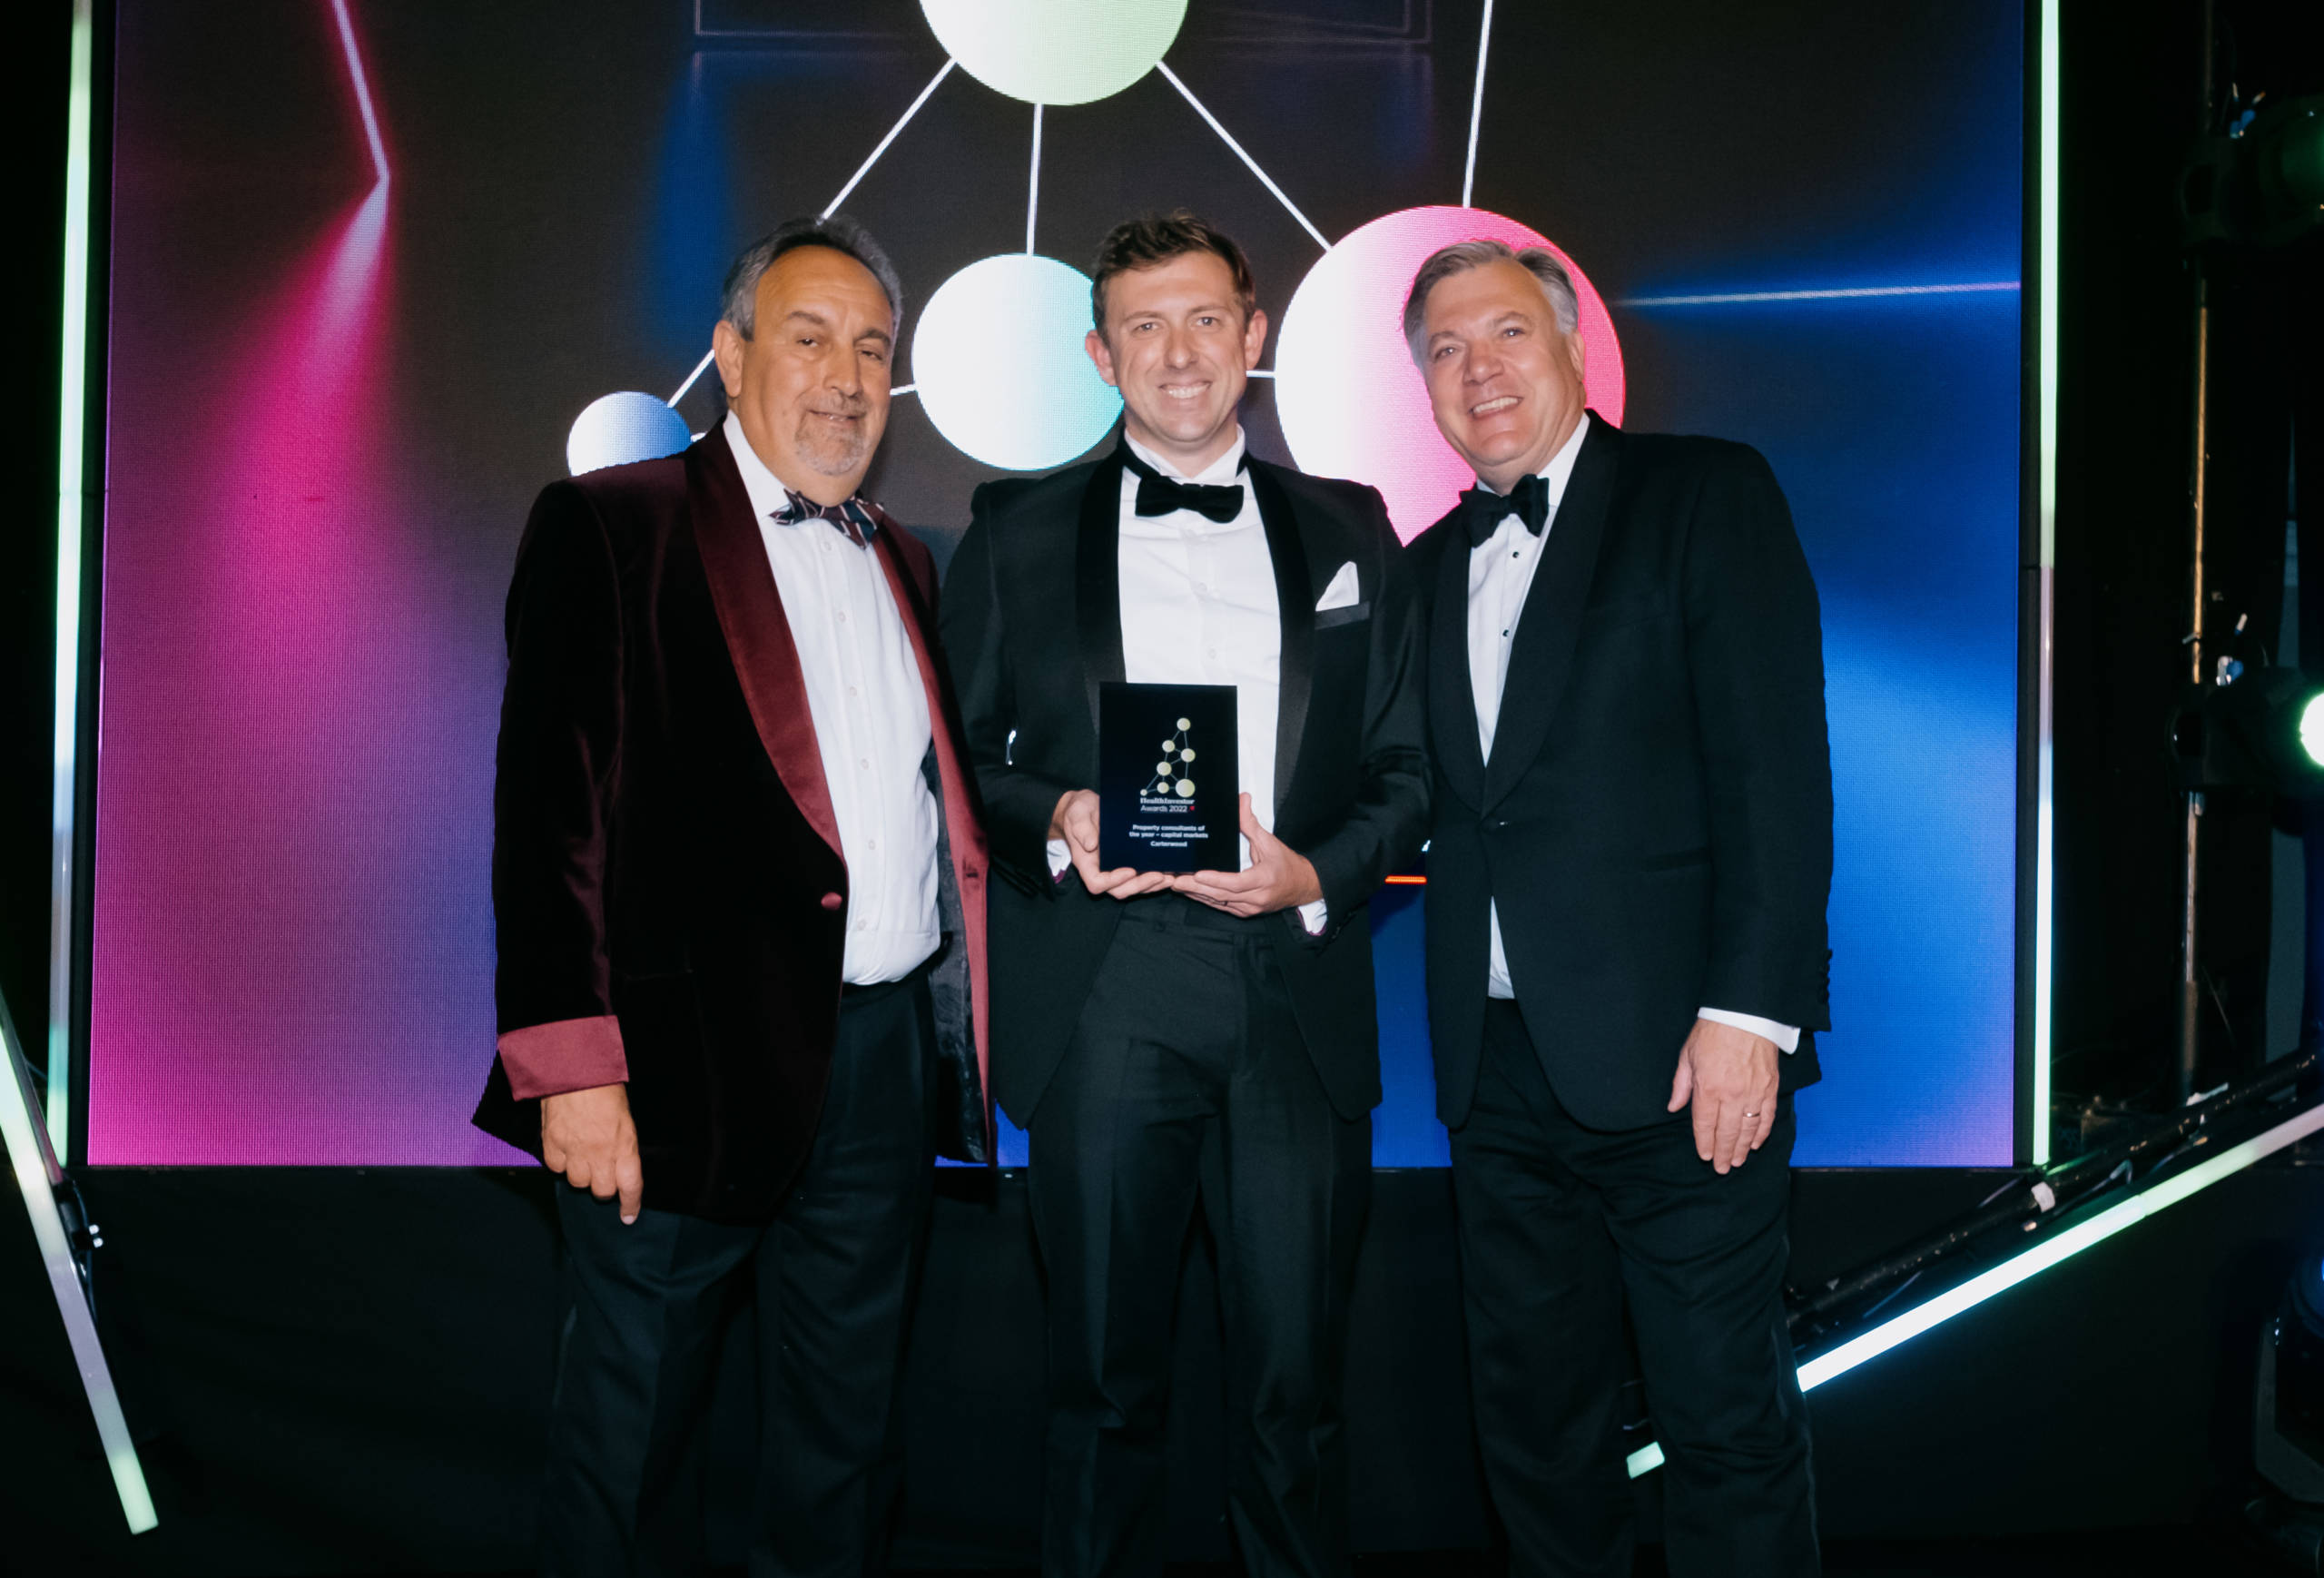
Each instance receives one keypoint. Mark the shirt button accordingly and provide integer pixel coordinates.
(851, 692)
(872, 843)
(864, 763)
(842, 615)
(1210, 651)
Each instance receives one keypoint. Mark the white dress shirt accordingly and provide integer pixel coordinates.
(1198, 607)
(1500, 574)
(870, 707)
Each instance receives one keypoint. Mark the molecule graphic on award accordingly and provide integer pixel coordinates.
(1174, 773)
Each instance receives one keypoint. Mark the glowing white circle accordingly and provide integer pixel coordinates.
(616, 428)
(1056, 52)
(998, 361)
(2311, 729)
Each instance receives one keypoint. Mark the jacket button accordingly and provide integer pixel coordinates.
(831, 900)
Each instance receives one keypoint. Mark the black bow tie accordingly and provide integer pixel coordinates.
(848, 516)
(1160, 494)
(1484, 509)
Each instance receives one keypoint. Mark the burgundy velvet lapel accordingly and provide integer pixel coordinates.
(758, 634)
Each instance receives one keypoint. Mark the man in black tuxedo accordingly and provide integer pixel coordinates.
(1630, 855)
(1211, 1035)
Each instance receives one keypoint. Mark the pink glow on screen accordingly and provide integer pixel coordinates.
(1351, 403)
(292, 819)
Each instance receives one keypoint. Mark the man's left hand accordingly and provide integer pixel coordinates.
(1279, 877)
(1729, 1075)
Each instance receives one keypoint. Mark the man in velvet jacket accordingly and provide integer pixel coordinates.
(1629, 860)
(1211, 1035)
(738, 880)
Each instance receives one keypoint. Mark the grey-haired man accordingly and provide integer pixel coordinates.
(1631, 848)
(738, 882)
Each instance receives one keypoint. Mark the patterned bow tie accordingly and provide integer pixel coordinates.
(848, 516)
(1160, 494)
(1484, 509)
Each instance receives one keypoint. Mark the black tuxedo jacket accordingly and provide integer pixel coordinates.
(1656, 821)
(664, 851)
(1033, 619)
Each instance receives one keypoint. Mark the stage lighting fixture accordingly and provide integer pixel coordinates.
(2262, 181)
(2270, 1111)
(2311, 729)
(2251, 728)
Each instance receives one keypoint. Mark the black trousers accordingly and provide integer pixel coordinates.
(1560, 1226)
(1187, 1078)
(830, 1281)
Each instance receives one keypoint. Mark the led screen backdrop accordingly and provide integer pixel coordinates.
(376, 268)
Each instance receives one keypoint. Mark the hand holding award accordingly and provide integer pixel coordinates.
(1076, 821)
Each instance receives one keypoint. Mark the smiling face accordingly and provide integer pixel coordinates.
(1176, 346)
(1504, 380)
(811, 385)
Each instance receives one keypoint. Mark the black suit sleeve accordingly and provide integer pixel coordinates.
(1755, 650)
(560, 730)
(1389, 817)
(1017, 803)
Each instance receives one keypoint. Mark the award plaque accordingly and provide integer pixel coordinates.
(1168, 784)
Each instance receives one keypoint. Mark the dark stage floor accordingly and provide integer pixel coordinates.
(2117, 1553)
(2114, 1552)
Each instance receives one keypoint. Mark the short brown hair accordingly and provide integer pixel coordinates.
(1149, 241)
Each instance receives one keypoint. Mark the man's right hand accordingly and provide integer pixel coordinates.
(1075, 821)
(587, 1136)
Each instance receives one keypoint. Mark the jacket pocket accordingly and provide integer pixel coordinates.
(1677, 860)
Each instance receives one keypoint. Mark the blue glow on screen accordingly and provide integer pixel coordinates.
(1893, 423)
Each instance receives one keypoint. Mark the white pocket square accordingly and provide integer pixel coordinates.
(1342, 592)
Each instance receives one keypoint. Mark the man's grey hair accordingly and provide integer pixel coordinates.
(1461, 256)
(738, 299)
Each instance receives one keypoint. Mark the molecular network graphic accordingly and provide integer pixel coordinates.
(1346, 392)
(1174, 773)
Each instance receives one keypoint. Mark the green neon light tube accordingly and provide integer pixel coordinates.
(2046, 417)
(72, 399)
(1902, 1328)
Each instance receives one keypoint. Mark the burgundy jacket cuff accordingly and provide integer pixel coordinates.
(568, 1054)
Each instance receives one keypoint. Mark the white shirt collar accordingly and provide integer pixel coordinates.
(1220, 470)
(769, 497)
(1559, 470)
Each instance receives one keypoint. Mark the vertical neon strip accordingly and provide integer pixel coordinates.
(2046, 480)
(72, 398)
